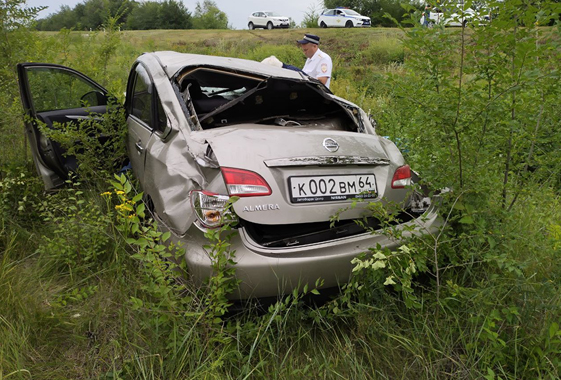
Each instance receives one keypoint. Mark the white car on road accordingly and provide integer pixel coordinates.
(267, 20)
(343, 18)
(455, 17)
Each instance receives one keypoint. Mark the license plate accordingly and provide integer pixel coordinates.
(332, 188)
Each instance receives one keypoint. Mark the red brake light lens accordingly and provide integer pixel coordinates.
(401, 177)
(245, 183)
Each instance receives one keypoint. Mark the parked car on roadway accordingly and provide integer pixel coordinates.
(454, 16)
(267, 20)
(203, 129)
(343, 18)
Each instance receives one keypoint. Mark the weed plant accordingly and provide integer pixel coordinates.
(90, 289)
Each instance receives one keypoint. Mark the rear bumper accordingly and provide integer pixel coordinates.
(266, 272)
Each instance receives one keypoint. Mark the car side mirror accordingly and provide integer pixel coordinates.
(93, 98)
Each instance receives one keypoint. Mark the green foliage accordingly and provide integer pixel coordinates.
(64, 18)
(17, 44)
(168, 14)
(97, 143)
(208, 16)
(311, 17)
(18, 195)
(396, 268)
(384, 51)
(77, 236)
(89, 15)
(161, 264)
(223, 282)
(478, 97)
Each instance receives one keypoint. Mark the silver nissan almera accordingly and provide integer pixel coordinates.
(203, 129)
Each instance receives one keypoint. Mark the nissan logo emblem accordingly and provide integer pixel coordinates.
(330, 144)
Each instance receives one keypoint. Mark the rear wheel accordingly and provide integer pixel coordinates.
(323, 25)
(349, 24)
(251, 26)
(269, 25)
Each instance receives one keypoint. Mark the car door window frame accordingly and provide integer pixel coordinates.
(158, 122)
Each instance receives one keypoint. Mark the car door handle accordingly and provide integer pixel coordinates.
(139, 147)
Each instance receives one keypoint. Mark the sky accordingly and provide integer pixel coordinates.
(236, 10)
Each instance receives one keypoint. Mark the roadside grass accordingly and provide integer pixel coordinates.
(77, 304)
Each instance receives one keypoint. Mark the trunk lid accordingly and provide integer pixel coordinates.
(289, 158)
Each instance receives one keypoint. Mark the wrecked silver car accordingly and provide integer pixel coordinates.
(202, 129)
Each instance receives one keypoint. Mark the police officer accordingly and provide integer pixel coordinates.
(318, 64)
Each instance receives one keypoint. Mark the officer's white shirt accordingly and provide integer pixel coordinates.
(319, 66)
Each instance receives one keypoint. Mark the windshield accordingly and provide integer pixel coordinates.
(273, 14)
(351, 12)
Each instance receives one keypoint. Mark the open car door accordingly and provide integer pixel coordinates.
(55, 95)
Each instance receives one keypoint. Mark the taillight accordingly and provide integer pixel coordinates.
(210, 208)
(244, 183)
(401, 177)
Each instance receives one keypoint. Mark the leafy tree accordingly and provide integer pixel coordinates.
(311, 17)
(391, 7)
(481, 103)
(144, 16)
(87, 15)
(65, 18)
(174, 15)
(208, 16)
(169, 14)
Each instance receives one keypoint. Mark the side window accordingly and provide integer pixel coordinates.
(142, 96)
(162, 119)
(59, 89)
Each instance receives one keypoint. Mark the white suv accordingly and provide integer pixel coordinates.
(342, 17)
(455, 17)
(267, 20)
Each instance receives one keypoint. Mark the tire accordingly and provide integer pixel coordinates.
(323, 25)
(269, 25)
(251, 26)
(349, 24)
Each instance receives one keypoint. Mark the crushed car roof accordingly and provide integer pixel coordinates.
(173, 62)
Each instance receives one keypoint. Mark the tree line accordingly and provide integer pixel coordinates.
(135, 15)
(172, 14)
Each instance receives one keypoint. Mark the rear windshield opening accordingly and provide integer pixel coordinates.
(219, 98)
